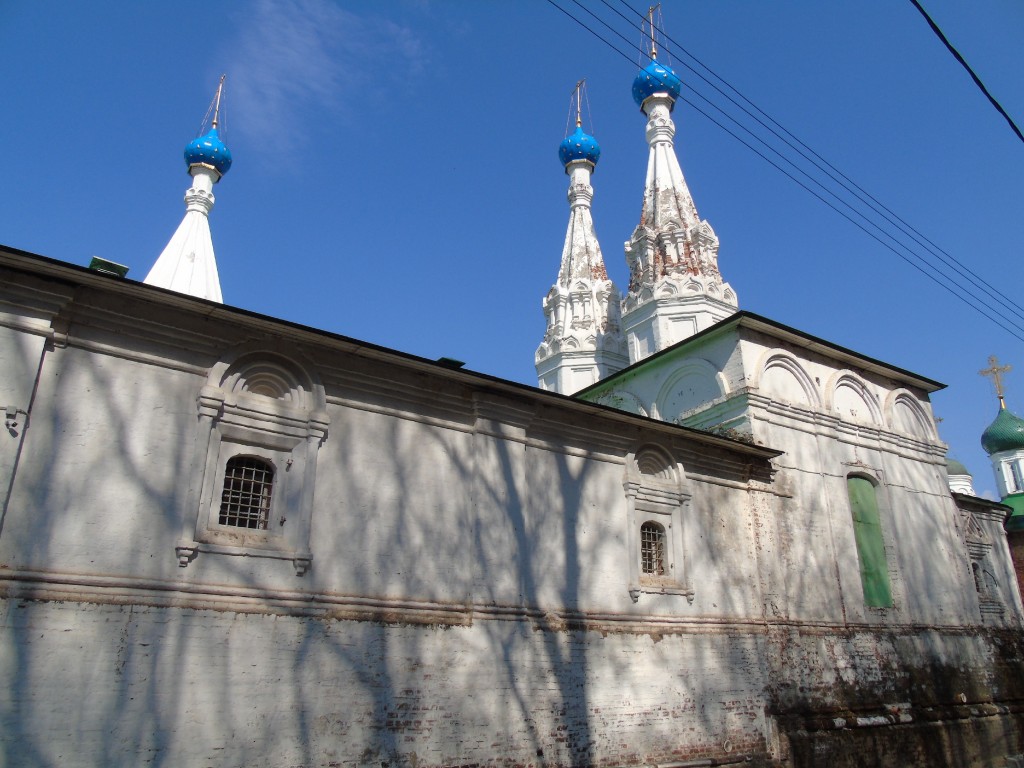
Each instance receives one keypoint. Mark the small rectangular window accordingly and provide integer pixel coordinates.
(652, 549)
(248, 484)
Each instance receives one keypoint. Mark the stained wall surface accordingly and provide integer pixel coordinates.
(451, 571)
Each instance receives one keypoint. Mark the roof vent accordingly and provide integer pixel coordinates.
(107, 267)
(450, 362)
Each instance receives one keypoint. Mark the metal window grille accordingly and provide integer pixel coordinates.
(248, 483)
(652, 549)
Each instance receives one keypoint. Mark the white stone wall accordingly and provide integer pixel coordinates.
(469, 594)
(831, 416)
(483, 504)
(471, 598)
(833, 420)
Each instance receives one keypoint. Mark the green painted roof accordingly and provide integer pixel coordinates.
(1006, 433)
(954, 467)
(1015, 522)
(750, 320)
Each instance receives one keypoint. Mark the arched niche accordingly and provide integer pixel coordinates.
(694, 383)
(272, 371)
(904, 413)
(652, 462)
(782, 377)
(851, 399)
(667, 289)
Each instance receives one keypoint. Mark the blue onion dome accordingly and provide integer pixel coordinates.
(209, 150)
(579, 146)
(655, 78)
(1006, 433)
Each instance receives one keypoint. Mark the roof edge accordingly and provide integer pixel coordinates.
(754, 321)
(32, 263)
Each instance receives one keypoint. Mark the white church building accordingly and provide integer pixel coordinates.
(705, 539)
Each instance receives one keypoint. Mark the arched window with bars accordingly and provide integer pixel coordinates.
(248, 490)
(655, 502)
(652, 549)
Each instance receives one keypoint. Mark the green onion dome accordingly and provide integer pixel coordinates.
(1006, 433)
(954, 467)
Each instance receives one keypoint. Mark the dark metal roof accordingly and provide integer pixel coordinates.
(78, 275)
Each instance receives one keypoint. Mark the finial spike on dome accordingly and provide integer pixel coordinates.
(578, 145)
(216, 107)
(650, 22)
(208, 149)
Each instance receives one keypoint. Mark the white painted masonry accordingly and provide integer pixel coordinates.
(187, 264)
(675, 287)
(451, 574)
(583, 341)
(834, 414)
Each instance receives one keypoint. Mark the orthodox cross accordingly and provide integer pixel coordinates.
(995, 371)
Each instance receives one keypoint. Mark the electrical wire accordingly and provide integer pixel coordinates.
(977, 80)
(921, 264)
(831, 171)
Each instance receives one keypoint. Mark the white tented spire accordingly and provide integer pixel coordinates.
(582, 342)
(675, 288)
(187, 264)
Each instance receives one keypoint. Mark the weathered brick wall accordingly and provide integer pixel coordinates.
(1016, 542)
(957, 739)
(908, 697)
(126, 685)
(110, 685)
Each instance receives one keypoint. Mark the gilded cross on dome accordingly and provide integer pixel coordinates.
(995, 371)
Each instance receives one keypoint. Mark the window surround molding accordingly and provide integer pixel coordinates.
(655, 493)
(979, 545)
(260, 401)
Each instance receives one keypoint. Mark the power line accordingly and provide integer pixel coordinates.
(936, 274)
(918, 267)
(918, 259)
(965, 65)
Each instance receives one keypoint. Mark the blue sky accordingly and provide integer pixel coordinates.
(396, 178)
